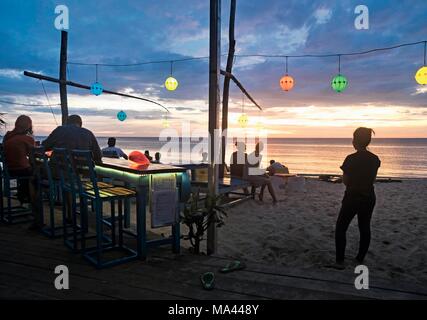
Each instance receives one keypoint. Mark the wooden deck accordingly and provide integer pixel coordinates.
(28, 260)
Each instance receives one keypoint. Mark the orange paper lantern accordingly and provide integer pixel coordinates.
(287, 83)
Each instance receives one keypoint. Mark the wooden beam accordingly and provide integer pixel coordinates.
(226, 91)
(214, 75)
(83, 86)
(63, 76)
(237, 82)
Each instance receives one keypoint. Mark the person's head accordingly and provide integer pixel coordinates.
(241, 146)
(204, 156)
(111, 142)
(23, 124)
(362, 138)
(75, 120)
(157, 156)
(147, 152)
(272, 161)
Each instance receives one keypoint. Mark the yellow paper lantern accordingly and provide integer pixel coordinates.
(421, 75)
(165, 123)
(243, 120)
(171, 83)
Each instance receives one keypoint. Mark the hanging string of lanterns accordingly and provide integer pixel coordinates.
(339, 82)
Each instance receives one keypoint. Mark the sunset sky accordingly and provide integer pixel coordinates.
(382, 92)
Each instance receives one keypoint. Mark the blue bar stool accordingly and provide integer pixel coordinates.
(47, 185)
(12, 214)
(84, 168)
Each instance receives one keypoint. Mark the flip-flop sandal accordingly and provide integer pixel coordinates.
(208, 280)
(233, 266)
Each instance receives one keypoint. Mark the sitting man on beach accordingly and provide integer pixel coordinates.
(112, 151)
(276, 167)
(17, 145)
(73, 137)
(240, 168)
(256, 175)
(157, 157)
(147, 154)
(360, 171)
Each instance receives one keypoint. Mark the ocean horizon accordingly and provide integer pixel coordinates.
(400, 157)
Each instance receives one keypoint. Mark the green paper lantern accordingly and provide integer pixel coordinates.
(339, 83)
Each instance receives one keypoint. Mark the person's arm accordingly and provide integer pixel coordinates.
(345, 179)
(122, 154)
(51, 140)
(96, 150)
(346, 168)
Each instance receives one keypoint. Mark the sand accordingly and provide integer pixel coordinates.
(299, 231)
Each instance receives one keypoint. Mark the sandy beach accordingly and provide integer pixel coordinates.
(299, 231)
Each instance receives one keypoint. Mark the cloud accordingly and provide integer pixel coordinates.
(290, 40)
(322, 15)
(11, 73)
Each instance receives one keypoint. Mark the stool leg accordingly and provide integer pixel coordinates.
(83, 222)
(51, 211)
(99, 236)
(127, 209)
(120, 217)
(113, 222)
(64, 216)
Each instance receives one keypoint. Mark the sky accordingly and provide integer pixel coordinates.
(382, 92)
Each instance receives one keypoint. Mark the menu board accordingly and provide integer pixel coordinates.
(163, 200)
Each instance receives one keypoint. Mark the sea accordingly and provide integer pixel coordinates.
(400, 157)
(403, 158)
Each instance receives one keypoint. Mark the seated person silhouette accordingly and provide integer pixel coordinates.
(112, 151)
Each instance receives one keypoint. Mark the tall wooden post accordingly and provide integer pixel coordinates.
(225, 94)
(214, 74)
(63, 76)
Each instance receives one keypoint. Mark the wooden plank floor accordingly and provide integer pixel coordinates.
(28, 260)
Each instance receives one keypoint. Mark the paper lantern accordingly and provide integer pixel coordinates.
(421, 75)
(171, 83)
(121, 116)
(243, 120)
(96, 88)
(138, 160)
(339, 83)
(287, 83)
(165, 123)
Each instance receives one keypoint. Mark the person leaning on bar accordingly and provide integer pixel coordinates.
(18, 144)
(73, 137)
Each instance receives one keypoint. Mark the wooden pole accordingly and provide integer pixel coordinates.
(226, 91)
(83, 86)
(63, 76)
(214, 74)
(240, 86)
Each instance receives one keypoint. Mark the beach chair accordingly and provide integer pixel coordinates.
(11, 213)
(89, 190)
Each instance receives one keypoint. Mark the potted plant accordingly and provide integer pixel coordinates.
(198, 214)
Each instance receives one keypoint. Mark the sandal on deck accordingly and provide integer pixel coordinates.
(233, 266)
(208, 280)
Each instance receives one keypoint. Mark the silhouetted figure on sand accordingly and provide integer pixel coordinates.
(359, 174)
